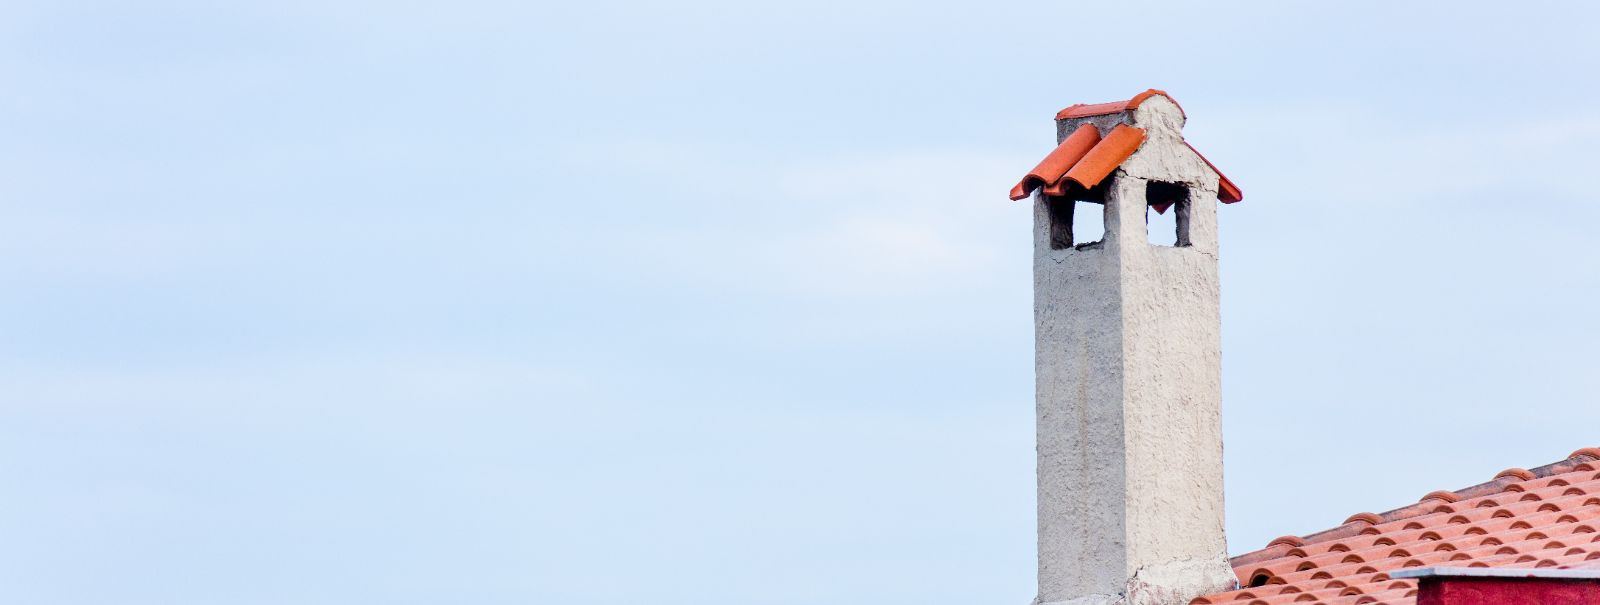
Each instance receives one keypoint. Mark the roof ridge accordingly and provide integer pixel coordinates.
(1085, 110)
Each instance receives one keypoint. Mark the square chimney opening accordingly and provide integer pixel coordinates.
(1077, 220)
(1167, 213)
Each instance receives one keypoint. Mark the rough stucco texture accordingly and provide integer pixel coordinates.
(1128, 370)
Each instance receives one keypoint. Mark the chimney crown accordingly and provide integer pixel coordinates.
(1152, 114)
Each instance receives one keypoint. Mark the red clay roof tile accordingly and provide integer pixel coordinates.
(1440, 495)
(1368, 518)
(1548, 520)
(1226, 191)
(1106, 156)
(1059, 161)
(1515, 473)
(1083, 110)
(1287, 541)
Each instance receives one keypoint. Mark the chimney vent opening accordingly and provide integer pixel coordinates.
(1167, 213)
(1078, 219)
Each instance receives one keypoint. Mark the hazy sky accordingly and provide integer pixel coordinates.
(723, 302)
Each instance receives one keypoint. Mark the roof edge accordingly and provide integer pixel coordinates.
(1355, 523)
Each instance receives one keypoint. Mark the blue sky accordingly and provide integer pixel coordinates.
(723, 302)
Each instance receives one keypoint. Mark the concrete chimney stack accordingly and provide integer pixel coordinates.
(1128, 360)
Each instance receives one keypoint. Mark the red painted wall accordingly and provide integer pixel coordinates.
(1508, 591)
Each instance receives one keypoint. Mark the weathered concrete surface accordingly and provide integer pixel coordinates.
(1128, 369)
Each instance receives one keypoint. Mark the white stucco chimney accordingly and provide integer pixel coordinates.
(1128, 362)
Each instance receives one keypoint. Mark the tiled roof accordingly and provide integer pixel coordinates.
(1085, 158)
(1544, 518)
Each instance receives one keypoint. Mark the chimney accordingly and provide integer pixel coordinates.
(1128, 360)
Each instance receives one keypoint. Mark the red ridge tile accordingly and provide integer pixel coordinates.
(1518, 473)
(1368, 518)
(1083, 110)
(1441, 495)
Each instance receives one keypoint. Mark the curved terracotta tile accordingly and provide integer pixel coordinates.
(1084, 110)
(1367, 518)
(1287, 541)
(1058, 161)
(1106, 156)
(1440, 495)
(1519, 473)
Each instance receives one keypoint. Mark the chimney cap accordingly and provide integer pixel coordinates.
(1058, 173)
